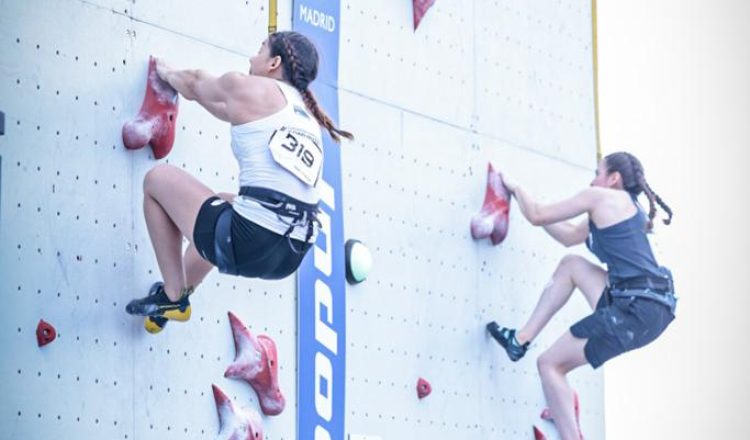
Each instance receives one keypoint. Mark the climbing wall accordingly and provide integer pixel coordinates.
(73, 243)
(504, 81)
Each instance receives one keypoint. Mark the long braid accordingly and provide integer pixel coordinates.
(661, 203)
(300, 81)
(639, 185)
(322, 117)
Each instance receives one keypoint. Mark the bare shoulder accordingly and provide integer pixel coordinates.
(254, 96)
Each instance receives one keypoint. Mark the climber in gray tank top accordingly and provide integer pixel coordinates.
(633, 299)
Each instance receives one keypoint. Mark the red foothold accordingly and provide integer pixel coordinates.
(155, 123)
(420, 8)
(236, 423)
(492, 219)
(423, 388)
(45, 333)
(256, 363)
(539, 435)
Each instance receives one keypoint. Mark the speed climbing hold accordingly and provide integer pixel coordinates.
(256, 363)
(155, 123)
(423, 388)
(539, 435)
(492, 219)
(420, 8)
(45, 333)
(234, 423)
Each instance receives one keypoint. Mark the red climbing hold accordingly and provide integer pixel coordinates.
(45, 333)
(420, 8)
(539, 435)
(492, 219)
(256, 363)
(156, 120)
(423, 388)
(236, 424)
(547, 415)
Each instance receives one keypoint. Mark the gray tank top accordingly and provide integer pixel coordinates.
(624, 248)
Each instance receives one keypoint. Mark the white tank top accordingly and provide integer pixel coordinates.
(258, 167)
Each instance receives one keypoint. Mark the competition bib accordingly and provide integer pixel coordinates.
(298, 152)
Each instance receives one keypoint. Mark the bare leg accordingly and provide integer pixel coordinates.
(171, 200)
(564, 355)
(573, 271)
(196, 268)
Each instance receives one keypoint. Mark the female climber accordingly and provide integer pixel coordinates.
(266, 229)
(633, 300)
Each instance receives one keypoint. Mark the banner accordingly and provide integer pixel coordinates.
(321, 305)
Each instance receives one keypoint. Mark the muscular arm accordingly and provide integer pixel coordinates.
(540, 214)
(568, 233)
(217, 95)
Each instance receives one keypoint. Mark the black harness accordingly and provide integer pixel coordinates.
(656, 289)
(289, 210)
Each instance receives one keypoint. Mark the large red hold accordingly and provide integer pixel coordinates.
(236, 424)
(45, 333)
(256, 363)
(155, 123)
(492, 219)
(420, 8)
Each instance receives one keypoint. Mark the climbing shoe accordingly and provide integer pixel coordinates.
(157, 304)
(506, 337)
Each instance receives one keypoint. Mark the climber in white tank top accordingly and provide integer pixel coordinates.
(266, 230)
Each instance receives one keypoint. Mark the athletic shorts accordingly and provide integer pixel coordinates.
(244, 248)
(620, 324)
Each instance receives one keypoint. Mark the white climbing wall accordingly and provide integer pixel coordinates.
(74, 248)
(504, 81)
(509, 81)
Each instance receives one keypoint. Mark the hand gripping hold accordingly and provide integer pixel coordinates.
(492, 219)
(157, 118)
(255, 362)
(236, 424)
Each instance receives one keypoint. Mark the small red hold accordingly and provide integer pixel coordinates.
(423, 388)
(256, 363)
(155, 123)
(236, 424)
(420, 8)
(539, 435)
(492, 219)
(45, 333)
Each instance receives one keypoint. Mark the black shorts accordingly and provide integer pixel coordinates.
(620, 324)
(244, 248)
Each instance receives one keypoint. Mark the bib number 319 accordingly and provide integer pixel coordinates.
(299, 152)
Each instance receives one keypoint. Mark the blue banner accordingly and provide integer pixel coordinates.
(321, 313)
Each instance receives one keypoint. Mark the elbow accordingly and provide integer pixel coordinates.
(535, 220)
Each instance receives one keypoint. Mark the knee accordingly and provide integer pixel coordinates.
(548, 366)
(568, 262)
(156, 175)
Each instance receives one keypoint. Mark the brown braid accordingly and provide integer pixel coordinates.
(300, 72)
(634, 181)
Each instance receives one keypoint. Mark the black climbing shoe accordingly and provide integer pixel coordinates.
(155, 324)
(158, 305)
(507, 338)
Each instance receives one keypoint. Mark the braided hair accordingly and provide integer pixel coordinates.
(634, 182)
(299, 59)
